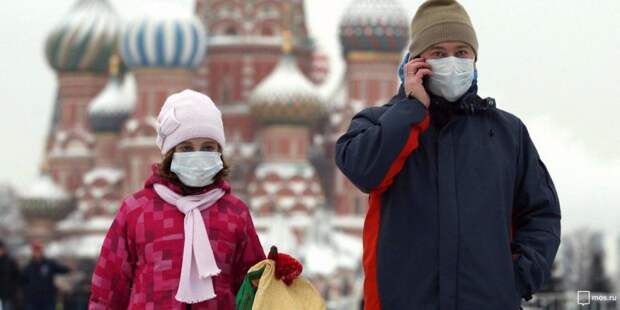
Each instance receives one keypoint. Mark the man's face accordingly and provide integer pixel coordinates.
(447, 49)
(37, 253)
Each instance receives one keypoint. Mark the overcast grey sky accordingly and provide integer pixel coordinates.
(554, 63)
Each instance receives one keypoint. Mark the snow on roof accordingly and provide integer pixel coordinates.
(242, 149)
(298, 187)
(374, 12)
(44, 188)
(285, 81)
(335, 119)
(87, 246)
(244, 40)
(115, 98)
(129, 88)
(351, 221)
(76, 222)
(285, 170)
(323, 249)
(62, 136)
(248, 149)
(325, 257)
(131, 125)
(299, 219)
(272, 187)
(287, 202)
(283, 192)
(319, 259)
(257, 202)
(137, 141)
(111, 175)
(347, 244)
(335, 88)
(234, 108)
(279, 233)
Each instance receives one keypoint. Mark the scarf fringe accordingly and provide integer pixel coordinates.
(194, 301)
(209, 275)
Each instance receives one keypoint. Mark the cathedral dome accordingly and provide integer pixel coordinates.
(85, 39)
(286, 96)
(374, 25)
(45, 199)
(166, 37)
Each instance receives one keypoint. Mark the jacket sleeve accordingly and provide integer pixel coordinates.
(249, 252)
(536, 220)
(374, 141)
(14, 276)
(24, 276)
(60, 268)
(113, 276)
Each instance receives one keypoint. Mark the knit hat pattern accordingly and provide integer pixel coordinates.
(439, 21)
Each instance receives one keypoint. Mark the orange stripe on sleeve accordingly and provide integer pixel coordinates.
(373, 218)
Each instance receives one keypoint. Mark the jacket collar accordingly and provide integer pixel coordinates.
(470, 102)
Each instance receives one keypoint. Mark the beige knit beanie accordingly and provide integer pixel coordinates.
(439, 21)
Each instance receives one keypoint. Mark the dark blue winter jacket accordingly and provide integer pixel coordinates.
(462, 211)
(38, 281)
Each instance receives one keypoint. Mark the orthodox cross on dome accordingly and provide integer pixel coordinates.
(115, 61)
(287, 24)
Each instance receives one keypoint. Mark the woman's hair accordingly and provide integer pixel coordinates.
(166, 173)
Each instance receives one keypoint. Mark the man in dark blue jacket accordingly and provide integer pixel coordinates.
(9, 278)
(38, 280)
(462, 211)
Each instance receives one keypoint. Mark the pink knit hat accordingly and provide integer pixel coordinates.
(187, 115)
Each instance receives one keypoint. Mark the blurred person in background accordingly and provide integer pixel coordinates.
(9, 279)
(38, 286)
(463, 213)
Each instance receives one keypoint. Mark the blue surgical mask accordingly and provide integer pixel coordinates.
(401, 69)
(452, 77)
(196, 169)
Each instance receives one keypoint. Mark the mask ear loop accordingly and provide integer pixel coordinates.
(401, 68)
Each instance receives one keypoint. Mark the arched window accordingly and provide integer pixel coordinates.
(76, 147)
(267, 31)
(230, 31)
(226, 90)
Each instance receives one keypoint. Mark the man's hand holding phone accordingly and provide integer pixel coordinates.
(415, 71)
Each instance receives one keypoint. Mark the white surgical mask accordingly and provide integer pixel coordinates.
(196, 169)
(451, 78)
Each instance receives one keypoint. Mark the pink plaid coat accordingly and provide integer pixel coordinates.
(140, 261)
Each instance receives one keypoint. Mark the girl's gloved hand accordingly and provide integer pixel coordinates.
(287, 267)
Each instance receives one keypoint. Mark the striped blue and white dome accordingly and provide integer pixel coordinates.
(166, 38)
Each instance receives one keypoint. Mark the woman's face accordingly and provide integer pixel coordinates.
(197, 144)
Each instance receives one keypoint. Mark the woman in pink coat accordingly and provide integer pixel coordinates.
(184, 240)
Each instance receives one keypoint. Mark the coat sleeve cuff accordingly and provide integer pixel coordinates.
(404, 113)
(521, 285)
